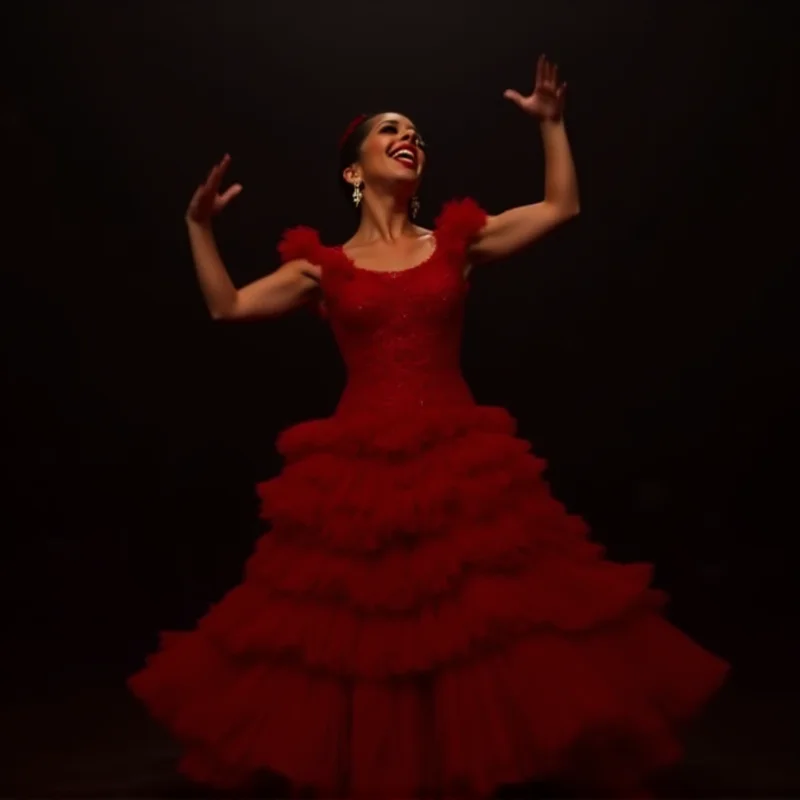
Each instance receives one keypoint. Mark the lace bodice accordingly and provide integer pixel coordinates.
(399, 332)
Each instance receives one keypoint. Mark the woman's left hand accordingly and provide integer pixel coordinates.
(546, 103)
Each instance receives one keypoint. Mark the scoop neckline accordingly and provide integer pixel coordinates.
(425, 261)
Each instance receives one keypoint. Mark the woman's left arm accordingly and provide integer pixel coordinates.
(513, 230)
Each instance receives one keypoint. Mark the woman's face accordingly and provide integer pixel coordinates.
(392, 153)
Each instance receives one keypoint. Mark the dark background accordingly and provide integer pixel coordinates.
(646, 348)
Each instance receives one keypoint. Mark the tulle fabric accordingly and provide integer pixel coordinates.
(424, 619)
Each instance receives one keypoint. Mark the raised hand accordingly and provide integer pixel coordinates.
(207, 201)
(546, 102)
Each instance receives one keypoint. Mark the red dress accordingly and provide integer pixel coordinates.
(424, 619)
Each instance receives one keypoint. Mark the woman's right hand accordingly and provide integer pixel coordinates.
(207, 201)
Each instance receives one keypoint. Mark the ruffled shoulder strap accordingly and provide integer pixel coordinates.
(458, 224)
(301, 242)
(304, 243)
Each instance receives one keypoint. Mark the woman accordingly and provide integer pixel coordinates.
(423, 619)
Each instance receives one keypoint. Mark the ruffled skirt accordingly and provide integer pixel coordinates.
(424, 619)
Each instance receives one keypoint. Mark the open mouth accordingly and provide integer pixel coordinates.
(406, 155)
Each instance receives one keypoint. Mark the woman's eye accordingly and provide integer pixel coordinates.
(389, 129)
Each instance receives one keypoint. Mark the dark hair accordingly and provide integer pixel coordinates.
(350, 146)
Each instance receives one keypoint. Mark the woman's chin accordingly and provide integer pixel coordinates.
(409, 180)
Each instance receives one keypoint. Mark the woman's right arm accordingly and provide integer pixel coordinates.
(289, 287)
(292, 285)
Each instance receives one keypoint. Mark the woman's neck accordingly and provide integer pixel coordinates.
(383, 217)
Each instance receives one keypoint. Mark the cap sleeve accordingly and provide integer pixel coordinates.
(300, 242)
(459, 222)
(304, 243)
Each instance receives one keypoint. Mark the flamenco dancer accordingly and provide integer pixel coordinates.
(423, 620)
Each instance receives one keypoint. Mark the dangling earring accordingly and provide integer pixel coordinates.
(413, 207)
(357, 194)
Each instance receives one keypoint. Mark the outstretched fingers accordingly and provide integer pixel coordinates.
(541, 70)
(546, 74)
(514, 96)
(216, 174)
(230, 193)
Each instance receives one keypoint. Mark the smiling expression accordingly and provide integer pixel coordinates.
(392, 152)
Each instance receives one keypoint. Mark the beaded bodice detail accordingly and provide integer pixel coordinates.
(399, 332)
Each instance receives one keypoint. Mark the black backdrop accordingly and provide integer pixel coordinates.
(646, 348)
